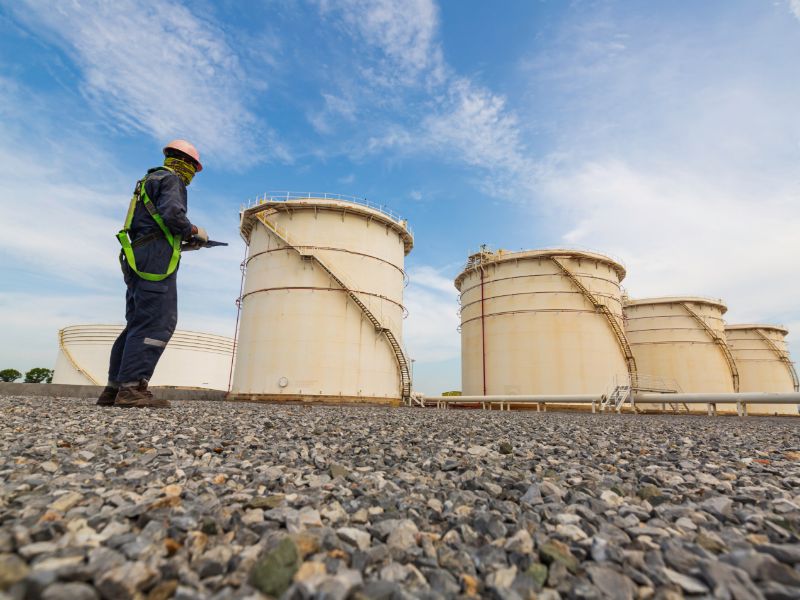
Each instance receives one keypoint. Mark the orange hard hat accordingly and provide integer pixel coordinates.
(187, 148)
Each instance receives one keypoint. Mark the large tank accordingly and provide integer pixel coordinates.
(190, 360)
(763, 362)
(680, 342)
(541, 322)
(322, 306)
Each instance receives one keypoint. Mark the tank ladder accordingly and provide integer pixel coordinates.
(721, 344)
(63, 345)
(388, 334)
(784, 358)
(622, 339)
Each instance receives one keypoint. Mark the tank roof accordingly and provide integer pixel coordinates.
(349, 204)
(767, 326)
(498, 256)
(673, 299)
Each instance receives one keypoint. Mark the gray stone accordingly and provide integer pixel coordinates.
(35, 549)
(521, 542)
(553, 551)
(690, 585)
(104, 559)
(787, 553)
(70, 591)
(126, 581)
(403, 536)
(612, 583)
(12, 570)
(356, 537)
(532, 496)
(727, 581)
(215, 561)
(719, 506)
(273, 573)
(489, 525)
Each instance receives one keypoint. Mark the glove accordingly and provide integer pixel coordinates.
(201, 235)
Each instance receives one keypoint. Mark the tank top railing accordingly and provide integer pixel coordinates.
(719, 341)
(782, 356)
(388, 334)
(286, 196)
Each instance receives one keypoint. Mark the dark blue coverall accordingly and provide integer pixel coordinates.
(151, 307)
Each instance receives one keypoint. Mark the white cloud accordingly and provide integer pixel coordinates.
(794, 6)
(473, 126)
(335, 109)
(157, 68)
(458, 120)
(404, 31)
(681, 234)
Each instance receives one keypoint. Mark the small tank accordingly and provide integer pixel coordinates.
(190, 360)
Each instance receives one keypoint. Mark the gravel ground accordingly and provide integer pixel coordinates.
(217, 500)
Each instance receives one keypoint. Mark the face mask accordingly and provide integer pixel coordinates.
(184, 169)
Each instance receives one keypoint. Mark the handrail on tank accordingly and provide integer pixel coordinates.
(486, 250)
(285, 196)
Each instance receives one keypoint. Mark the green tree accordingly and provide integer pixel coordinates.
(452, 393)
(39, 375)
(9, 375)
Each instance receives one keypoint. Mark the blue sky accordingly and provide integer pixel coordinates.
(665, 134)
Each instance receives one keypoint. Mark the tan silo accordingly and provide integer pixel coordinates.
(679, 343)
(322, 306)
(542, 322)
(762, 359)
(190, 360)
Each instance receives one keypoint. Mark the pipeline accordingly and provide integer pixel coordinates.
(713, 398)
(640, 397)
(567, 399)
(710, 399)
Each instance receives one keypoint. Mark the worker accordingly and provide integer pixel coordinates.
(155, 228)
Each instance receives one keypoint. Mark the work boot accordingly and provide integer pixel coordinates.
(138, 397)
(107, 396)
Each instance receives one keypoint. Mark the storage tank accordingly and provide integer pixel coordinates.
(190, 360)
(762, 359)
(322, 307)
(681, 341)
(542, 322)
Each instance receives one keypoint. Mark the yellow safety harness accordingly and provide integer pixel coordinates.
(140, 195)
